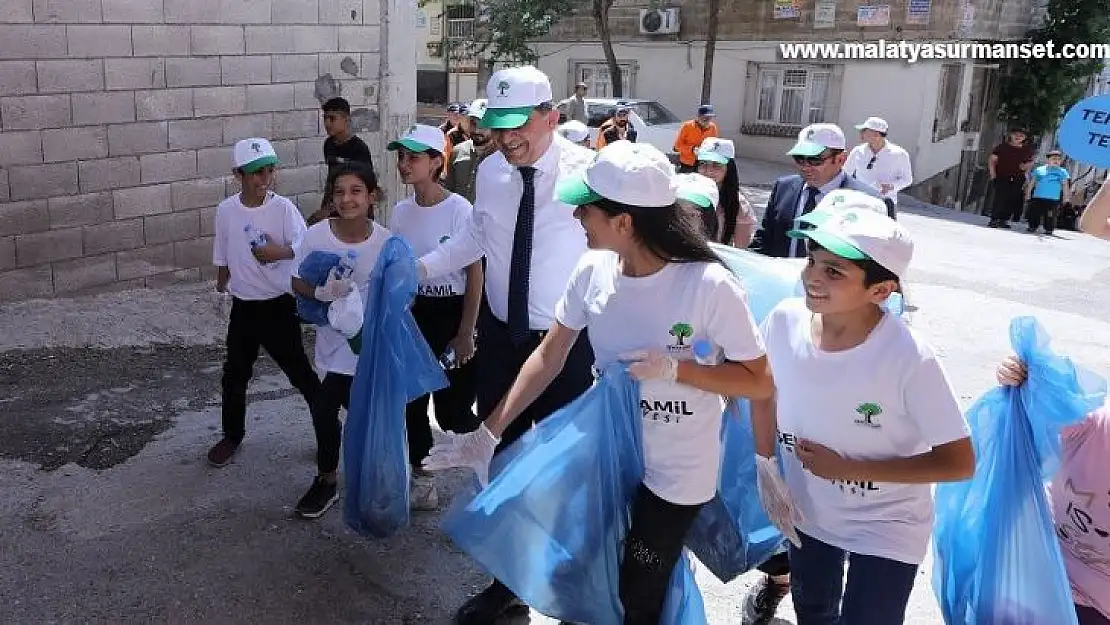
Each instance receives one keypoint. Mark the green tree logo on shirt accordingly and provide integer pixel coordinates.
(868, 412)
(681, 332)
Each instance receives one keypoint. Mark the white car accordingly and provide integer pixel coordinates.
(654, 124)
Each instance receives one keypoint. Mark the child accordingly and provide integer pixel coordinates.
(446, 309)
(867, 420)
(699, 196)
(354, 191)
(255, 233)
(341, 146)
(1048, 187)
(575, 132)
(735, 214)
(1080, 497)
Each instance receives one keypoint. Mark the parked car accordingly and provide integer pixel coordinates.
(653, 122)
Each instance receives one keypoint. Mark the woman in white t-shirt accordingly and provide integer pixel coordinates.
(733, 219)
(446, 308)
(648, 290)
(866, 420)
(353, 232)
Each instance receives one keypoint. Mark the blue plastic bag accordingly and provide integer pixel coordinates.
(997, 556)
(766, 280)
(684, 604)
(395, 366)
(551, 524)
(314, 270)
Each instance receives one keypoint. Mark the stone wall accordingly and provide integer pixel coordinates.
(117, 119)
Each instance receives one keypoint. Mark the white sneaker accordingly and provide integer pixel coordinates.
(423, 496)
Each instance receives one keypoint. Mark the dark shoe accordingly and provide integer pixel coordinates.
(222, 452)
(320, 496)
(493, 603)
(1030, 229)
(992, 224)
(1005, 225)
(763, 601)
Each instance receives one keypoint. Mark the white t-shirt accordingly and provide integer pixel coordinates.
(250, 279)
(333, 353)
(666, 311)
(426, 228)
(888, 397)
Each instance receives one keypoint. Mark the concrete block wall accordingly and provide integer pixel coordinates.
(117, 119)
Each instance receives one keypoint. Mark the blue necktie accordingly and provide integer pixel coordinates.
(797, 246)
(521, 262)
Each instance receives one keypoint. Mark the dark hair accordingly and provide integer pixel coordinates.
(670, 232)
(337, 105)
(1052, 153)
(730, 202)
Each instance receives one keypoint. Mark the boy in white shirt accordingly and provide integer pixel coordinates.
(255, 233)
(865, 416)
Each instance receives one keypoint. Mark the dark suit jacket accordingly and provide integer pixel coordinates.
(782, 207)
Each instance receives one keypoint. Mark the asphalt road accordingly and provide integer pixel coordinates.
(108, 405)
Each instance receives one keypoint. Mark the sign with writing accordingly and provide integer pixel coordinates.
(918, 11)
(787, 9)
(873, 15)
(1085, 132)
(824, 14)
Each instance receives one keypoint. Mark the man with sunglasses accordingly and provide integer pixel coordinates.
(880, 163)
(820, 156)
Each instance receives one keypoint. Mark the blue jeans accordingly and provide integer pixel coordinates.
(876, 592)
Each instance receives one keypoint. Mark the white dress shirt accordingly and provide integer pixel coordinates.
(891, 166)
(797, 246)
(558, 240)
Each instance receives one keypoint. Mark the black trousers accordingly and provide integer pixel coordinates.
(272, 325)
(651, 550)
(438, 319)
(1008, 199)
(335, 393)
(1043, 210)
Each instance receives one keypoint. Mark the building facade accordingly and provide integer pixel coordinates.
(117, 120)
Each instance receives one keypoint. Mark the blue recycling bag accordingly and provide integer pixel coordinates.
(395, 366)
(551, 524)
(766, 280)
(997, 556)
(314, 270)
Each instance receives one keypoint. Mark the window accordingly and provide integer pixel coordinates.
(948, 101)
(792, 96)
(654, 113)
(460, 38)
(596, 77)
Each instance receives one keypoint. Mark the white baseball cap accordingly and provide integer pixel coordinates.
(636, 174)
(420, 138)
(253, 154)
(816, 138)
(859, 233)
(477, 108)
(575, 131)
(878, 124)
(697, 189)
(716, 150)
(842, 199)
(512, 94)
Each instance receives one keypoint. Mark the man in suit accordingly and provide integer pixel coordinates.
(820, 156)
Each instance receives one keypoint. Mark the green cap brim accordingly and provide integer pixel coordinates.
(410, 145)
(506, 119)
(830, 242)
(862, 127)
(576, 192)
(696, 198)
(806, 148)
(712, 157)
(259, 163)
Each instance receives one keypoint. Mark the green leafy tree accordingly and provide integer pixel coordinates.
(507, 27)
(1036, 92)
(681, 331)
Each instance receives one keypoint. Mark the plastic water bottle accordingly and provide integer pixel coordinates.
(706, 353)
(346, 265)
(255, 236)
(449, 360)
(895, 304)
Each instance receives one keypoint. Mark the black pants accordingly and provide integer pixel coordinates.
(776, 565)
(438, 319)
(335, 393)
(651, 550)
(1043, 210)
(891, 208)
(1008, 199)
(272, 325)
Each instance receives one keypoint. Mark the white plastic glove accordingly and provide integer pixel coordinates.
(345, 314)
(776, 500)
(645, 365)
(335, 288)
(473, 449)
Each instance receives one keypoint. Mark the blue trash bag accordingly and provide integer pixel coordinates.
(551, 523)
(766, 280)
(684, 604)
(314, 270)
(395, 366)
(732, 534)
(996, 552)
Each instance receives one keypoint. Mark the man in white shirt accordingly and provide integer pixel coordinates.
(879, 162)
(525, 274)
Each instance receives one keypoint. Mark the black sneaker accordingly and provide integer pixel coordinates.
(763, 601)
(320, 496)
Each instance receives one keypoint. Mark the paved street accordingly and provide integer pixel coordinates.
(109, 403)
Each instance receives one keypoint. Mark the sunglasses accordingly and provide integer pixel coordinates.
(812, 161)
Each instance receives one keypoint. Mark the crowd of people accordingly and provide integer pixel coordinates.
(524, 321)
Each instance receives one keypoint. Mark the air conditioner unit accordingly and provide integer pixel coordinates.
(659, 21)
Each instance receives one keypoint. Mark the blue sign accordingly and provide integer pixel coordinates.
(1084, 134)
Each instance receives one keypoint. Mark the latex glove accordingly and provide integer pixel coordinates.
(1012, 372)
(646, 365)
(334, 288)
(776, 499)
(345, 314)
(473, 449)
